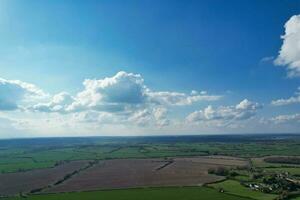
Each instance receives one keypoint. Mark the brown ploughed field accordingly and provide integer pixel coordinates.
(13, 183)
(128, 173)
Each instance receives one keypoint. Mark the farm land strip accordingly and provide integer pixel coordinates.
(262, 167)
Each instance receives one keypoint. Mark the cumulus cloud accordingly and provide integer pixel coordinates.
(225, 115)
(13, 92)
(292, 100)
(141, 117)
(155, 116)
(111, 94)
(59, 103)
(289, 54)
(121, 99)
(160, 116)
(124, 92)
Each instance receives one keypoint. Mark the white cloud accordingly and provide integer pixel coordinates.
(282, 123)
(112, 94)
(160, 113)
(95, 117)
(293, 118)
(289, 54)
(141, 117)
(160, 116)
(225, 115)
(155, 117)
(292, 100)
(59, 103)
(180, 99)
(13, 92)
(122, 100)
(122, 93)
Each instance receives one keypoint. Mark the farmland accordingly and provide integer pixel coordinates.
(233, 167)
(147, 172)
(190, 193)
(234, 187)
(34, 179)
(22, 155)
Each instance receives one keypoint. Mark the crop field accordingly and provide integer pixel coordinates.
(87, 168)
(182, 193)
(13, 183)
(191, 193)
(21, 156)
(147, 172)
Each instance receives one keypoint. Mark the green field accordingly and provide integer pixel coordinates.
(234, 187)
(296, 198)
(183, 193)
(291, 170)
(13, 159)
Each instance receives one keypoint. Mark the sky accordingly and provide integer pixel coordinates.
(110, 68)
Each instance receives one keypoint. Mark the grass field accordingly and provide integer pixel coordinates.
(183, 193)
(291, 170)
(296, 198)
(234, 187)
(275, 167)
(242, 178)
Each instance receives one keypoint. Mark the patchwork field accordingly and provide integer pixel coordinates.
(24, 155)
(182, 193)
(113, 168)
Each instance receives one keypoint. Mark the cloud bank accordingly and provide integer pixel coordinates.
(122, 93)
(124, 103)
(123, 100)
(225, 115)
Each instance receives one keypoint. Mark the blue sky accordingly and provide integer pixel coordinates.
(230, 49)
